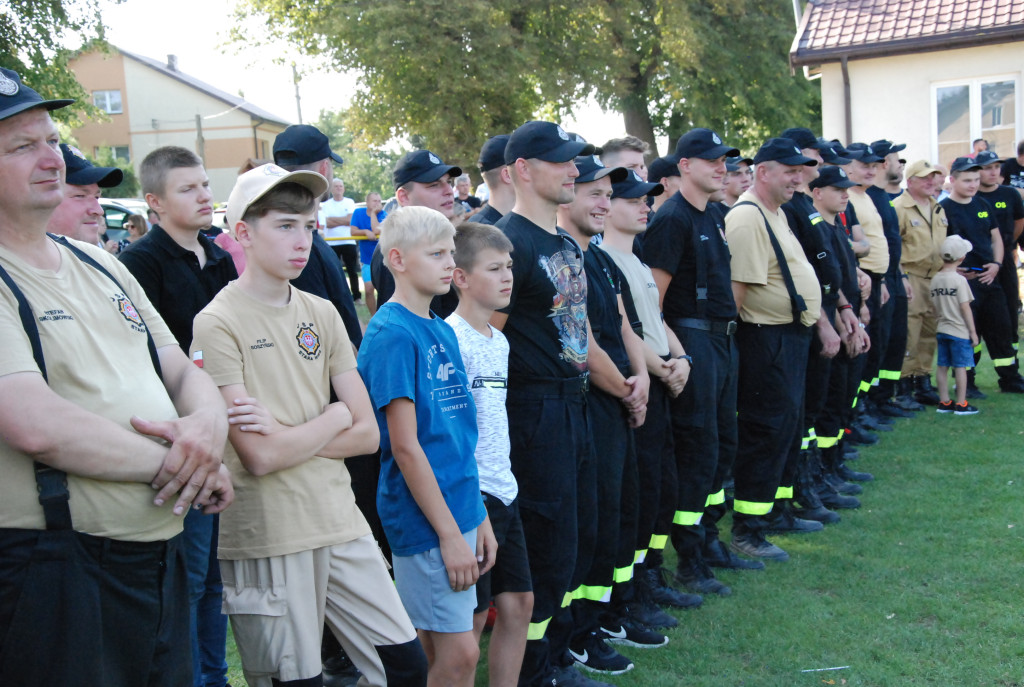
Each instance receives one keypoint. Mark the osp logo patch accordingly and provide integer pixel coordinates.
(128, 311)
(309, 341)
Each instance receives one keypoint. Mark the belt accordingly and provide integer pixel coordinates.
(713, 326)
(551, 385)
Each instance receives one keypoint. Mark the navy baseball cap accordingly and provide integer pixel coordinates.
(803, 137)
(703, 143)
(883, 147)
(831, 176)
(964, 164)
(301, 144)
(866, 153)
(784, 151)
(986, 158)
(16, 97)
(829, 153)
(544, 141)
(591, 168)
(81, 172)
(421, 166)
(635, 187)
(662, 167)
(492, 155)
(732, 164)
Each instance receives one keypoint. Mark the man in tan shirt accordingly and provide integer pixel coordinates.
(778, 302)
(923, 228)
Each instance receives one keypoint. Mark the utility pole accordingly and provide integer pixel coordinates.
(298, 99)
(200, 141)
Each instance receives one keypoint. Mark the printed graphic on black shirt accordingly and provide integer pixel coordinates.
(569, 306)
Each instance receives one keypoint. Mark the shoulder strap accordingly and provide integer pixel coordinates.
(795, 299)
(700, 259)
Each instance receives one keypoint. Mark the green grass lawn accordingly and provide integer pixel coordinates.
(919, 587)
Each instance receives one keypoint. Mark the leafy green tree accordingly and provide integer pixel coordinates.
(366, 168)
(130, 187)
(31, 30)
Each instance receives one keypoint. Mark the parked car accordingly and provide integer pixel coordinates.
(114, 215)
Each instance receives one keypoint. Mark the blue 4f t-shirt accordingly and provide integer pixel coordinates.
(406, 356)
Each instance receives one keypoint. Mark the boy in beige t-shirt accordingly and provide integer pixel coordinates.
(295, 551)
(955, 333)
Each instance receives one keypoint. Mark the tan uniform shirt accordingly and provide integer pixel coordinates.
(285, 357)
(922, 235)
(877, 259)
(948, 290)
(754, 263)
(96, 356)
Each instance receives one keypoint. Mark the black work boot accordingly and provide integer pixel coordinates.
(808, 504)
(653, 587)
(717, 555)
(782, 520)
(830, 460)
(695, 575)
(905, 395)
(748, 538)
(973, 392)
(924, 392)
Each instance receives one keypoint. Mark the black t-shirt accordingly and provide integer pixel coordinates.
(471, 202)
(890, 226)
(322, 277)
(486, 216)
(974, 221)
(1008, 206)
(547, 316)
(810, 228)
(670, 245)
(1013, 173)
(842, 244)
(384, 283)
(604, 281)
(173, 280)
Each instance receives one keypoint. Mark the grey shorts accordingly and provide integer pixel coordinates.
(422, 582)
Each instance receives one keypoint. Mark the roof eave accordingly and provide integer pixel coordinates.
(972, 39)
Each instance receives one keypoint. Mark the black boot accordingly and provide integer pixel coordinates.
(805, 492)
(717, 555)
(830, 459)
(782, 520)
(695, 575)
(905, 395)
(924, 392)
(973, 392)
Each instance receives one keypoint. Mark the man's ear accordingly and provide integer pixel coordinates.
(402, 196)
(153, 201)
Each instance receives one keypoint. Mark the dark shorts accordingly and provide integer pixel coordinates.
(511, 571)
(954, 351)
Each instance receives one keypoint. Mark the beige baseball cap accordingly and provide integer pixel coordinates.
(257, 182)
(921, 168)
(955, 247)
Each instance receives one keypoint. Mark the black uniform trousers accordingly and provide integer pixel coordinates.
(704, 429)
(552, 462)
(1008, 280)
(819, 369)
(894, 314)
(657, 476)
(769, 404)
(991, 320)
(349, 257)
(878, 330)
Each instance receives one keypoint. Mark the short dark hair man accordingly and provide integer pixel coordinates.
(501, 195)
(629, 152)
(106, 584)
(1013, 169)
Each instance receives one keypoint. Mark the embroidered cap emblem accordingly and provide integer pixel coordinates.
(434, 159)
(716, 139)
(8, 86)
(561, 133)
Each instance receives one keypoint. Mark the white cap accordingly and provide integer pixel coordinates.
(955, 247)
(257, 182)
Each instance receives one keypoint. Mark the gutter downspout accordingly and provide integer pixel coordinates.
(255, 140)
(847, 106)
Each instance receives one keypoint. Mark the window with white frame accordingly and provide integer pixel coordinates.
(116, 152)
(108, 101)
(963, 111)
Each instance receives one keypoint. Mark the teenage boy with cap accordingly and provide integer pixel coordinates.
(975, 220)
(779, 300)
(689, 259)
(664, 171)
(91, 535)
(303, 147)
(421, 179)
(923, 227)
(549, 341)
(501, 196)
(296, 551)
(80, 216)
(617, 401)
(181, 271)
(737, 179)
(1009, 210)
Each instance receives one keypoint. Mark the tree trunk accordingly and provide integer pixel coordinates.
(638, 123)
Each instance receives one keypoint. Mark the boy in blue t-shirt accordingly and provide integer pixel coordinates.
(428, 496)
(366, 222)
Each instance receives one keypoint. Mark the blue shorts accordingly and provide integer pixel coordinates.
(954, 351)
(366, 273)
(422, 583)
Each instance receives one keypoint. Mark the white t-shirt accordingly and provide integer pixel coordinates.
(486, 362)
(336, 208)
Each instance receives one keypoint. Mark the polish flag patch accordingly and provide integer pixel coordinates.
(197, 358)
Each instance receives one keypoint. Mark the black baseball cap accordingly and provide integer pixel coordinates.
(635, 187)
(544, 141)
(830, 154)
(964, 164)
(662, 167)
(591, 168)
(866, 153)
(784, 151)
(301, 144)
(986, 158)
(883, 147)
(831, 176)
(492, 155)
(16, 97)
(81, 172)
(421, 166)
(703, 143)
(803, 137)
(732, 164)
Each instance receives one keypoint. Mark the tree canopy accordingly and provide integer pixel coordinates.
(366, 169)
(458, 71)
